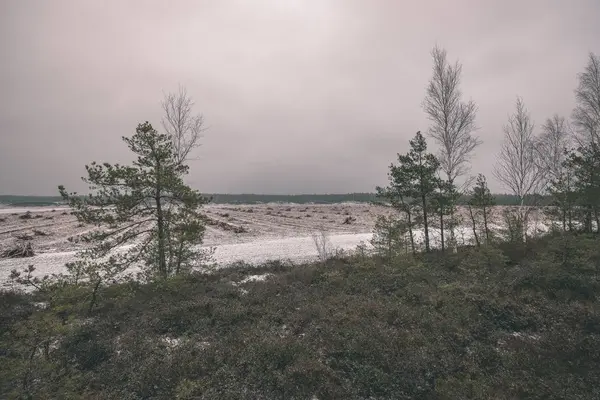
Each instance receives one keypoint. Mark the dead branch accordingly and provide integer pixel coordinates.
(453, 121)
(517, 168)
(586, 115)
(19, 251)
(551, 146)
(181, 124)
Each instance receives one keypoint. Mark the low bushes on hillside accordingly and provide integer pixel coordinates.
(480, 324)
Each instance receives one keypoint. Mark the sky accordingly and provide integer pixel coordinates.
(313, 96)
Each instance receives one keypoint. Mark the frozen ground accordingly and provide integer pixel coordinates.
(271, 231)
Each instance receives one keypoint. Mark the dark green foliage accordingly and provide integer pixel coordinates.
(147, 204)
(575, 192)
(422, 168)
(412, 187)
(480, 208)
(390, 238)
(575, 184)
(220, 198)
(444, 203)
(564, 196)
(478, 324)
(585, 165)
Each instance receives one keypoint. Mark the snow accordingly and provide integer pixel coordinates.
(255, 278)
(297, 249)
(274, 232)
(22, 210)
(293, 248)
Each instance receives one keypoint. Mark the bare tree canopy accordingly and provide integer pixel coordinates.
(181, 124)
(517, 168)
(453, 121)
(552, 145)
(586, 115)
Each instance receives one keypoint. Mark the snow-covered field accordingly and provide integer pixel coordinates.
(271, 231)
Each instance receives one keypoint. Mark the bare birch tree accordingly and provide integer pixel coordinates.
(517, 167)
(452, 127)
(183, 126)
(453, 120)
(551, 147)
(586, 115)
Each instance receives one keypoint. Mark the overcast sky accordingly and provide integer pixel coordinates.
(313, 96)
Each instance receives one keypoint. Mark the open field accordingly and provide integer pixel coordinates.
(249, 233)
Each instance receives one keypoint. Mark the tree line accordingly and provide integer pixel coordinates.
(253, 198)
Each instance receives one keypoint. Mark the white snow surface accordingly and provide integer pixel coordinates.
(297, 249)
(21, 210)
(274, 232)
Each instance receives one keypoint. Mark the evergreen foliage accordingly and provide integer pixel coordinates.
(145, 205)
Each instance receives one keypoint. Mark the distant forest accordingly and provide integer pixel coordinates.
(15, 200)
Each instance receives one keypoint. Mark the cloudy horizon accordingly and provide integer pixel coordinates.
(298, 96)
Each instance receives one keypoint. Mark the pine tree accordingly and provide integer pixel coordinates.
(423, 169)
(397, 193)
(146, 206)
(444, 204)
(480, 206)
(413, 183)
(563, 196)
(586, 173)
(452, 128)
(389, 237)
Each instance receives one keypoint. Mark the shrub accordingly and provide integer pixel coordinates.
(26, 216)
(425, 326)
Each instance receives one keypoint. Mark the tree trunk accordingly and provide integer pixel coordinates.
(569, 204)
(25, 381)
(94, 294)
(162, 262)
(588, 220)
(389, 245)
(169, 249)
(442, 227)
(410, 231)
(453, 242)
(524, 226)
(474, 227)
(452, 236)
(485, 225)
(425, 224)
(179, 256)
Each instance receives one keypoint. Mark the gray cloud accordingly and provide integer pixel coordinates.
(300, 96)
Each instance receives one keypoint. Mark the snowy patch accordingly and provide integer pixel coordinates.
(521, 335)
(33, 210)
(515, 340)
(255, 278)
(171, 342)
(251, 278)
(276, 231)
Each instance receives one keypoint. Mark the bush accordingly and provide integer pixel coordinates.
(475, 324)
(26, 216)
